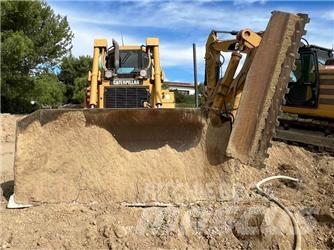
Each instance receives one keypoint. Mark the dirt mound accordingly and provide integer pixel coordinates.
(82, 158)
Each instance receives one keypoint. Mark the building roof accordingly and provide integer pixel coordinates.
(180, 84)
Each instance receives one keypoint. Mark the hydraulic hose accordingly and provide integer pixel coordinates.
(116, 55)
(149, 59)
(297, 234)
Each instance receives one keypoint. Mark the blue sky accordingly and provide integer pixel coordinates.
(178, 24)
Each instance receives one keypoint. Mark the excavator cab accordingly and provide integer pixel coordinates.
(304, 85)
(308, 115)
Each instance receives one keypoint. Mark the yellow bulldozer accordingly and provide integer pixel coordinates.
(127, 77)
(130, 150)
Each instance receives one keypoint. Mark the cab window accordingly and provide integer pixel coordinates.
(323, 56)
(303, 82)
(129, 61)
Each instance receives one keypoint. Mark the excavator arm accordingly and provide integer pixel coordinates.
(251, 100)
(212, 60)
(222, 93)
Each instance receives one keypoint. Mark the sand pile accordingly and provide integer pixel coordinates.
(84, 158)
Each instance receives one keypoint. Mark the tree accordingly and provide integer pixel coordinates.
(201, 88)
(47, 91)
(33, 41)
(80, 84)
(74, 74)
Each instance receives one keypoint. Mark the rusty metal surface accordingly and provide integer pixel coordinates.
(264, 88)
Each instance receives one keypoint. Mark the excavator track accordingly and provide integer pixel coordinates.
(265, 87)
(313, 134)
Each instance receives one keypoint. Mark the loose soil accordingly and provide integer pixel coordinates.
(240, 219)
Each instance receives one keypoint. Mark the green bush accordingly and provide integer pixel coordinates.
(182, 100)
(80, 84)
(47, 91)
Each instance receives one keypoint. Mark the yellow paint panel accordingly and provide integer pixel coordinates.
(327, 96)
(328, 70)
(100, 43)
(326, 77)
(168, 99)
(101, 95)
(152, 41)
(324, 111)
(106, 83)
(322, 86)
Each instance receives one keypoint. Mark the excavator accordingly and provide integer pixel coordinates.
(308, 112)
(121, 151)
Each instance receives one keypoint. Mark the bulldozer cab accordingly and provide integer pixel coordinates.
(304, 80)
(133, 62)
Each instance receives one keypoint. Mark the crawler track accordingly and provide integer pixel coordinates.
(314, 134)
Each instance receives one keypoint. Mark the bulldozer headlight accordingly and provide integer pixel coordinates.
(143, 73)
(108, 74)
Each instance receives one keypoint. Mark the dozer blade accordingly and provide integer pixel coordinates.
(115, 156)
(265, 87)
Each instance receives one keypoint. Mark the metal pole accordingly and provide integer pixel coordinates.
(195, 75)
